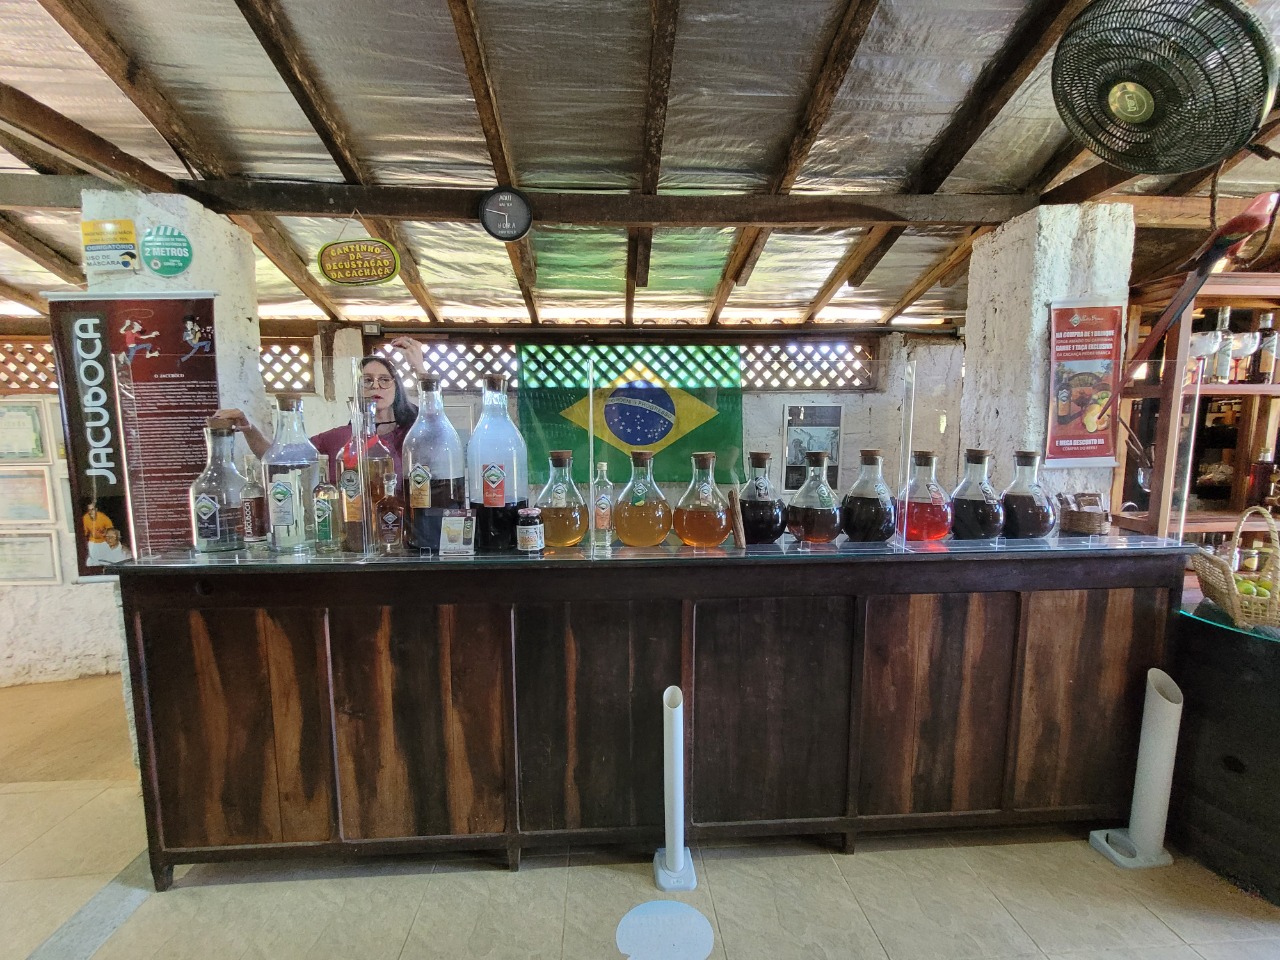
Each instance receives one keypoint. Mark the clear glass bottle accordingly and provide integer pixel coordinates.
(928, 506)
(976, 512)
(1028, 509)
(813, 516)
(389, 515)
(1263, 369)
(1220, 369)
(330, 529)
(701, 518)
(435, 468)
(497, 470)
(867, 514)
(253, 505)
(364, 453)
(564, 511)
(641, 513)
(217, 517)
(292, 472)
(602, 509)
(764, 513)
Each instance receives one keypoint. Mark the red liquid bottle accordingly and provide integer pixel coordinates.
(928, 508)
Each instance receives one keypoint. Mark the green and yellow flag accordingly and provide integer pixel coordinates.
(672, 400)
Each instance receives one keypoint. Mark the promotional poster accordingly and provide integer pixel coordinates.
(1086, 340)
(137, 378)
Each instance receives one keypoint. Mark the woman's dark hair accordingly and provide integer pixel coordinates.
(404, 411)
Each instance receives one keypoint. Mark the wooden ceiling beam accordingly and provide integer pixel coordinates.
(848, 264)
(1094, 183)
(40, 160)
(269, 237)
(16, 235)
(34, 327)
(523, 258)
(954, 257)
(666, 333)
(9, 291)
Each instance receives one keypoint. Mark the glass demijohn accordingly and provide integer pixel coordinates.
(701, 517)
(976, 512)
(813, 516)
(641, 513)
(928, 506)
(1028, 509)
(217, 518)
(435, 468)
(564, 511)
(867, 514)
(602, 509)
(764, 514)
(498, 470)
(291, 472)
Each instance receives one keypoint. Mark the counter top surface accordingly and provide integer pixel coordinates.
(668, 554)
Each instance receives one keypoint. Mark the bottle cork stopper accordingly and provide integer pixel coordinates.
(641, 456)
(704, 460)
(495, 382)
(759, 458)
(974, 455)
(923, 458)
(815, 458)
(1026, 458)
(219, 423)
(871, 456)
(428, 383)
(561, 458)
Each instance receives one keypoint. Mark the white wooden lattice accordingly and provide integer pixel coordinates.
(26, 366)
(842, 365)
(287, 366)
(460, 366)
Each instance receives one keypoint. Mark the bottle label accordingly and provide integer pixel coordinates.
(282, 502)
(494, 477)
(389, 527)
(559, 495)
(761, 485)
(639, 493)
(207, 526)
(420, 487)
(989, 494)
(253, 510)
(882, 492)
(704, 494)
(602, 518)
(349, 484)
(324, 520)
(530, 538)
(936, 496)
(825, 499)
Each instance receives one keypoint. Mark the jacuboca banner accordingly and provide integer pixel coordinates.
(673, 400)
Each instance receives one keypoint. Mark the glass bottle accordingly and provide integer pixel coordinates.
(435, 468)
(498, 470)
(1220, 369)
(928, 506)
(701, 518)
(292, 472)
(389, 514)
(564, 511)
(253, 504)
(641, 513)
(330, 530)
(1263, 369)
(764, 514)
(602, 509)
(359, 499)
(1028, 509)
(976, 512)
(813, 516)
(217, 517)
(867, 514)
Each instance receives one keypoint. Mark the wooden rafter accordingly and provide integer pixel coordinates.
(848, 264)
(278, 40)
(41, 161)
(16, 235)
(10, 292)
(749, 244)
(955, 256)
(523, 261)
(1095, 182)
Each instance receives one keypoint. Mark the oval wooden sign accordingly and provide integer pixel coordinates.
(358, 262)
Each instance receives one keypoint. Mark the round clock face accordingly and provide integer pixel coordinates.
(506, 214)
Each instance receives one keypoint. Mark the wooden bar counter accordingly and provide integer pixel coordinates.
(407, 705)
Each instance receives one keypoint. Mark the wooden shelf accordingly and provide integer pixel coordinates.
(1150, 391)
(1240, 289)
(1198, 521)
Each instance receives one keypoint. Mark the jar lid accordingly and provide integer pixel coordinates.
(528, 513)
(219, 423)
(924, 458)
(871, 456)
(974, 455)
(1026, 458)
(815, 458)
(641, 456)
(561, 458)
(428, 382)
(495, 382)
(759, 458)
(704, 460)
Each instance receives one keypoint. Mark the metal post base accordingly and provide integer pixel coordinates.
(1116, 846)
(666, 880)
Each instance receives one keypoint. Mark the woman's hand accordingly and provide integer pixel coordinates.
(243, 425)
(412, 349)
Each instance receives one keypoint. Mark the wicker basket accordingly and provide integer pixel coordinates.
(1217, 579)
(1083, 514)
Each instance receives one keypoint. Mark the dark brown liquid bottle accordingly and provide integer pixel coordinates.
(764, 515)
(1028, 511)
(867, 514)
(976, 513)
(813, 515)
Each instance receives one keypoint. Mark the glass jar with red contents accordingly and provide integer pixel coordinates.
(928, 508)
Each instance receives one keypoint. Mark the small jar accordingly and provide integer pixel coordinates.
(530, 536)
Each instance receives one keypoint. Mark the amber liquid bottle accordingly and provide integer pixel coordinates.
(389, 517)
(976, 513)
(867, 514)
(564, 511)
(364, 453)
(764, 514)
(702, 516)
(1028, 510)
(813, 515)
(928, 508)
(642, 515)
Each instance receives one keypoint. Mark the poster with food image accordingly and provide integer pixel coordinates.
(1086, 338)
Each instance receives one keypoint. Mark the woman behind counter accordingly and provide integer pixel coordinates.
(378, 385)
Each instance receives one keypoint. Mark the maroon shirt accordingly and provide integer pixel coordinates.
(332, 441)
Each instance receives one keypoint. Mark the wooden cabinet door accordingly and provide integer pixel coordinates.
(239, 715)
(1081, 690)
(936, 674)
(420, 718)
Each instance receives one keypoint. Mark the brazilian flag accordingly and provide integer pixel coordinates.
(673, 400)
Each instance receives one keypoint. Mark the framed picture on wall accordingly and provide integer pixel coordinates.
(811, 428)
(29, 557)
(26, 495)
(24, 432)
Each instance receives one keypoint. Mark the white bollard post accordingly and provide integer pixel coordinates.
(672, 864)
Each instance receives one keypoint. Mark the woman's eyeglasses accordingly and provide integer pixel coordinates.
(382, 382)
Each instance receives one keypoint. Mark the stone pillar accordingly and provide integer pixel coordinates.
(1049, 253)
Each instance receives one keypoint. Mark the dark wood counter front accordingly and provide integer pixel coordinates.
(407, 706)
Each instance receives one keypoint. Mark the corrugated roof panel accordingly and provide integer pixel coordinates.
(467, 271)
(684, 268)
(791, 270)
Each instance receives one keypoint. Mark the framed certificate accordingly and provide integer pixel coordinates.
(29, 557)
(26, 496)
(24, 433)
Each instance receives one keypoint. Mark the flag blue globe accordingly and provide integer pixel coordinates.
(640, 413)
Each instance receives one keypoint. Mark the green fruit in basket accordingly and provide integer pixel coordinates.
(1246, 588)
(1265, 585)
(1262, 593)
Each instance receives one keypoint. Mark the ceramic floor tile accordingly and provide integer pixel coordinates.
(1200, 906)
(472, 911)
(51, 786)
(101, 836)
(74, 730)
(1130, 953)
(30, 910)
(794, 905)
(1240, 950)
(25, 817)
(929, 905)
(1065, 897)
(184, 924)
(372, 922)
(876, 843)
(1051, 833)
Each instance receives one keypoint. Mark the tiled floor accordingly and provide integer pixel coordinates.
(1007, 895)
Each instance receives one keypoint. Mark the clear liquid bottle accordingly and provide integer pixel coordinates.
(330, 529)
(602, 510)
(641, 513)
(1263, 369)
(217, 517)
(389, 515)
(365, 454)
(928, 507)
(292, 472)
(813, 516)
(253, 505)
(976, 511)
(1028, 509)
(564, 511)
(867, 514)
(701, 518)
(435, 468)
(1220, 370)
(498, 470)
(764, 514)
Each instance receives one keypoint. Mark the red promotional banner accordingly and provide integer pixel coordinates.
(1086, 339)
(137, 378)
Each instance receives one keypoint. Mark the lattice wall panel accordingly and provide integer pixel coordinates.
(287, 366)
(26, 367)
(843, 365)
(460, 366)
